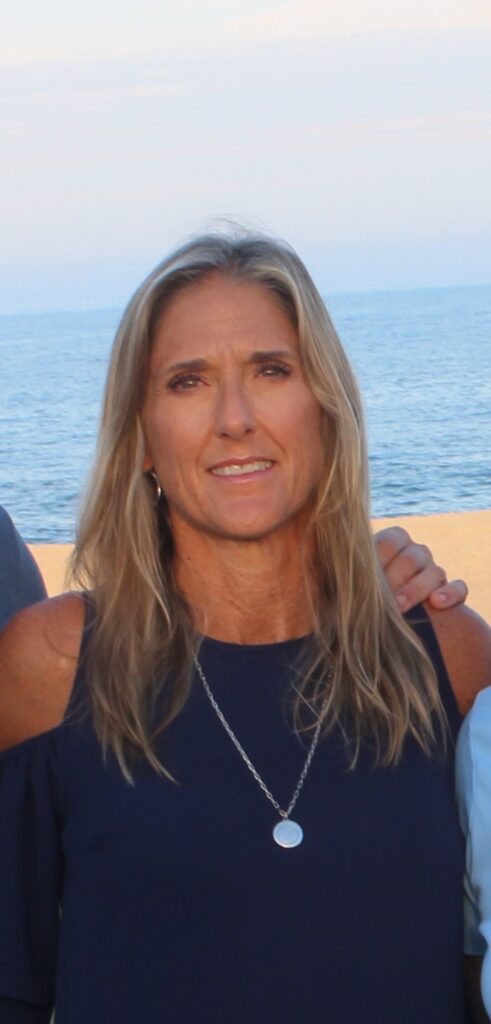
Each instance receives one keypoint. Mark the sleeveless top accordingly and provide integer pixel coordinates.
(170, 903)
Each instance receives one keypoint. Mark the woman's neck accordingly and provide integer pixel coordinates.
(245, 592)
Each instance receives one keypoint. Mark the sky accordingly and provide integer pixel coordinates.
(359, 131)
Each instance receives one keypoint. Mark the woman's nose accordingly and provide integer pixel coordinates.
(234, 413)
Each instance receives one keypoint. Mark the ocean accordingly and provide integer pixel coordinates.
(422, 357)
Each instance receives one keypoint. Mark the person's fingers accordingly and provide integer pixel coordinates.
(411, 562)
(419, 587)
(390, 542)
(412, 574)
(452, 593)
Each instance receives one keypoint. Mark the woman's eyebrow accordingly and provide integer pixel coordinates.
(265, 357)
(188, 364)
(260, 356)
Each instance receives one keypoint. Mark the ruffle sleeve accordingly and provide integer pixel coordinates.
(30, 880)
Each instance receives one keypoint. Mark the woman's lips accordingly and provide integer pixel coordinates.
(237, 469)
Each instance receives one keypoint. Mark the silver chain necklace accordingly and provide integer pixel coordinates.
(286, 833)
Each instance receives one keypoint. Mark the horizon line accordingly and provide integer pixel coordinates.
(379, 289)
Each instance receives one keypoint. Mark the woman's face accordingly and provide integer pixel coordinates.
(232, 430)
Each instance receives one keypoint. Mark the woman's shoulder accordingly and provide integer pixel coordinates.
(464, 639)
(39, 651)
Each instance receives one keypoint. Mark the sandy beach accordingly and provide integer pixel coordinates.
(460, 541)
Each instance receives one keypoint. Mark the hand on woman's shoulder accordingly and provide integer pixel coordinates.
(465, 642)
(39, 651)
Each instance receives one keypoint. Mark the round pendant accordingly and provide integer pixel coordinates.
(287, 834)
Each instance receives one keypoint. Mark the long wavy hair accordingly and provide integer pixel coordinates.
(364, 665)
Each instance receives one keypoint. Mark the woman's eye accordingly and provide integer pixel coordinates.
(184, 382)
(275, 370)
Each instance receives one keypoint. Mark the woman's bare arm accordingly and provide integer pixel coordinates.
(38, 658)
(465, 642)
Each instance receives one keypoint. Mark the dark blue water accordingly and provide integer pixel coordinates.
(423, 359)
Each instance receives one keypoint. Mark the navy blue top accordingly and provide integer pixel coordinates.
(177, 906)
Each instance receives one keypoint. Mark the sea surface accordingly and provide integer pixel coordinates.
(423, 360)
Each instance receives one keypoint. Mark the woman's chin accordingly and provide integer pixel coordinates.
(253, 528)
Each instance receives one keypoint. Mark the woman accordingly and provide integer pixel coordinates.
(246, 811)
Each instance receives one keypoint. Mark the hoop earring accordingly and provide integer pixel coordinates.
(158, 490)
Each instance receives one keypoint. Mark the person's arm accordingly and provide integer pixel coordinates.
(412, 574)
(464, 639)
(38, 657)
(21, 582)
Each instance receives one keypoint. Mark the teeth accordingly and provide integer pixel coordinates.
(238, 470)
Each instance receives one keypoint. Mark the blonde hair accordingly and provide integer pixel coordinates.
(363, 658)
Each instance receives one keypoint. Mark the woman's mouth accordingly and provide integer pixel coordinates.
(242, 468)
